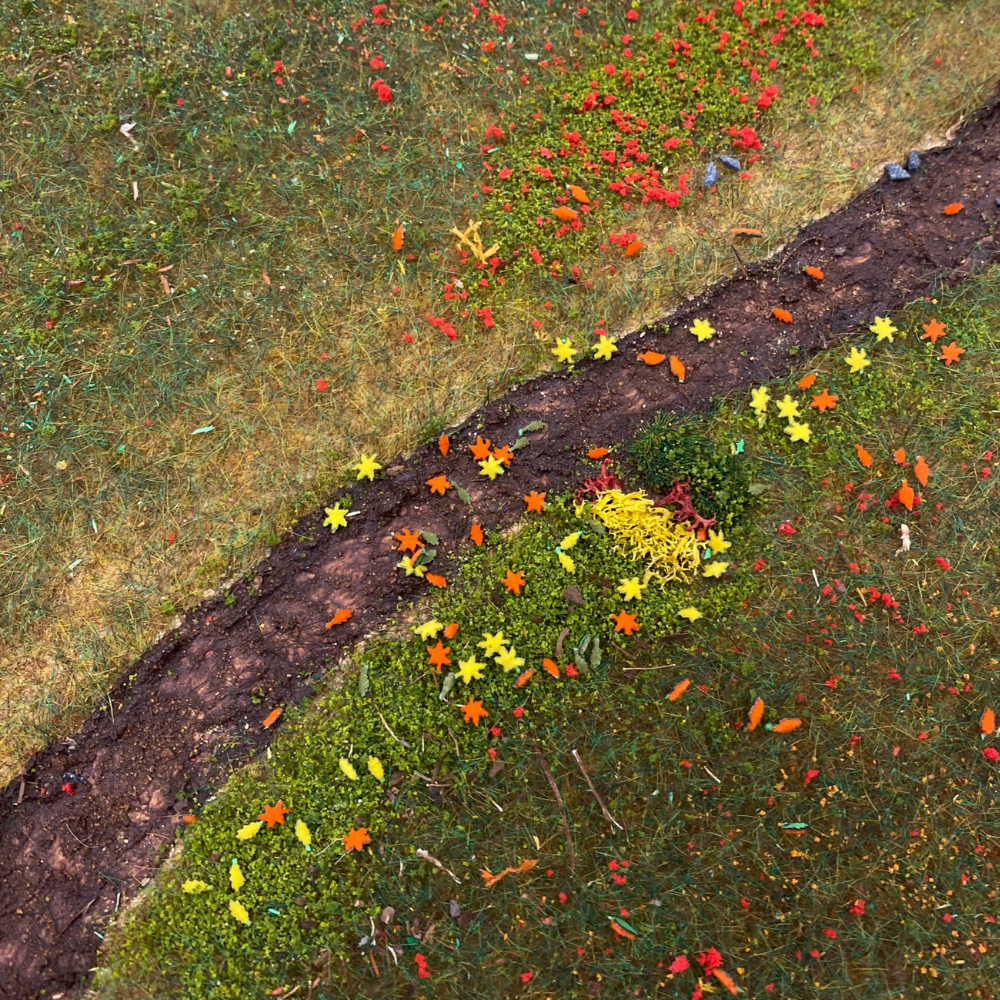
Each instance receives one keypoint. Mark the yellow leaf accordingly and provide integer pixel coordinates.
(195, 885)
(303, 834)
(375, 768)
(249, 831)
(236, 879)
(348, 768)
(239, 912)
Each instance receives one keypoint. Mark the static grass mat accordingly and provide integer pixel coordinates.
(238, 241)
(620, 756)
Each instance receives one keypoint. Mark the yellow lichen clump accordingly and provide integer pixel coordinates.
(643, 531)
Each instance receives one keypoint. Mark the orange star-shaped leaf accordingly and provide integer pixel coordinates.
(473, 711)
(481, 449)
(274, 814)
(439, 484)
(624, 622)
(438, 657)
(824, 401)
(356, 839)
(408, 540)
(340, 617)
(513, 582)
(476, 534)
(535, 502)
(951, 352)
(597, 453)
(503, 454)
(807, 382)
(933, 331)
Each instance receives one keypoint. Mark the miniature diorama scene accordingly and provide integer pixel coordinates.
(499, 499)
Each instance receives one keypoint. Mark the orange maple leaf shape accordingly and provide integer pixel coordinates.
(473, 711)
(535, 502)
(481, 449)
(439, 484)
(624, 622)
(806, 382)
(951, 352)
(933, 331)
(408, 540)
(274, 814)
(476, 534)
(513, 582)
(356, 839)
(503, 454)
(824, 401)
(437, 656)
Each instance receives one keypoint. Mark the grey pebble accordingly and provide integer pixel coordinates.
(730, 161)
(997, 200)
(711, 174)
(896, 172)
(913, 161)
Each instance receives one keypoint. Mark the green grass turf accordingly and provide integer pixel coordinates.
(234, 255)
(853, 856)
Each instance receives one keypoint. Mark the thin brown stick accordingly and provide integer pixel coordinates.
(600, 801)
(562, 811)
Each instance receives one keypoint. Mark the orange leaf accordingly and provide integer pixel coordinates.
(933, 331)
(513, 582)
(921, 470)
(954, 208)
(409, 541)
(950, 353)
(806, 382)
(439, 484)
(786, 725)
(577, 192)
(564, 214)
(535, 502)
(633, 248)
(450, 630)
(272, 717)
(476, 534)
(899, 456)
(340, 617)
(481, 449)
(824, 401)
(987, 722)
(677, 367)
(726, 980)
(597, 453)
(444, 444)
(652, 358)
(679, 688)
(783, 314)
(906, 495)
(814, 272)
(743, 231)
(491, 880)
(356, 839)
(620, 931)
(436, 580)
(863, 457)
(624, 622)
(473, 711)
(756, 714)
(397, 238)
(549, 667)
(525, 677)
(274, 814)
(437, 656)
(503, 454)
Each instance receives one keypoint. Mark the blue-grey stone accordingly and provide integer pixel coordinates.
(896, 172)
(711, 174)
(730, 161)
(913, 161)
(997, 200)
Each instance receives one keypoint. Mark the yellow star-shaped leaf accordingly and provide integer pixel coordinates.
(691, 614)
(509, 660)
(883, 329)
(335, 518)
(716, 542)
(797, 431)
(857, 360)
(428, 630)
(367, 467)
(759, 398)
(491, 467)
(702, 330)
(714, 568)
(630, 589)
(603, 349)
(492, 644)
(564, 350)
(566, 562)
(412, 569)
(570, 540)
(471, 669)
(787, 407)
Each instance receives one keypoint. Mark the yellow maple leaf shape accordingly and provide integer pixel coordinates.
(367, 467)
(603, 349)
(335, 518)
(714, 569)
(491, 467)
(717, 542)
(471, 669)
(412, 568)
(630, 588)
(787, 407)
(883, 329)
(857, 360)
(702, 330)
(492, 644)
(564, 350)
(797, 431)
(509, 660)
(429, 630)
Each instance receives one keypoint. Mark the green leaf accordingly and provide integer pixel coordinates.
(757, 488)
(363, 680)
(520, 443)
(794, 826)
(426, 557)
(595, 653)
(447, 685)
(535, 425)
(462, 495)
(430, 538)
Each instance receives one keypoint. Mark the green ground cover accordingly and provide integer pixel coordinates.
(226, 262)
(853, 854)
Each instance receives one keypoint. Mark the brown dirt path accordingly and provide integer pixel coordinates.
(187, 708)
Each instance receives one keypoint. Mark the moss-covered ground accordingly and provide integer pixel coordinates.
(199, 295)
(664, 844)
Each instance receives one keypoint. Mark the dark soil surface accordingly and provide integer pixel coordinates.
(192, 706)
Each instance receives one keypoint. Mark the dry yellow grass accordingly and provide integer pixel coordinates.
(278, 446)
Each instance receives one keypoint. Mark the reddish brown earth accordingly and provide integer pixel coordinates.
(192, 705)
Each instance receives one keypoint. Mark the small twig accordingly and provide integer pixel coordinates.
(559, 642)
(20, 794)
(391, 733)
(421, 853)
(600, 801)
(714, 777)
(562, 811)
